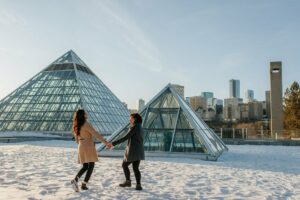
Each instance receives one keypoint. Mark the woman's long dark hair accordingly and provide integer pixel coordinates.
(137, 118)
(78, 121)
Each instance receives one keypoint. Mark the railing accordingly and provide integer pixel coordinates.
(257, 134)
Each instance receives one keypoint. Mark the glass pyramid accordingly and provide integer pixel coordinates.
(47, 101)
(170, 125)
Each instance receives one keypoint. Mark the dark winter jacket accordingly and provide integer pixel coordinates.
(135, 146)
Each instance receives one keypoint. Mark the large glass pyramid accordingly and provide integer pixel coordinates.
(170, 125)
(47, 101)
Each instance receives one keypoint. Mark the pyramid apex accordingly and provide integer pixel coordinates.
(69, 57)
(71, 51)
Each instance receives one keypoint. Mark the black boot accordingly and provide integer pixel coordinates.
(83, 186)
(138, 187)
(125, 184)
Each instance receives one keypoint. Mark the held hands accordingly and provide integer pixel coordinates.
(109, 145)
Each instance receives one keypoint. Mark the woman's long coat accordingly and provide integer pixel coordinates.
(135, 146)
(86, 146)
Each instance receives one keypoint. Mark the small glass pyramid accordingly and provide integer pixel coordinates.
(47, 101)
(170, 125)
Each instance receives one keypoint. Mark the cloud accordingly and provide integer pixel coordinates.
(147, 55)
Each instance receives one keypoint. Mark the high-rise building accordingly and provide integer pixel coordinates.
(244, 111)
(264, 107)
(268, 104)
(207, 95)
(276, 98)
(210, 103)
(218, 108)
(255, 110)
(249, 96)
(141, 104)
(234, 88)
(252, 111)
(197, 102)
(231, 110)
(199, 105)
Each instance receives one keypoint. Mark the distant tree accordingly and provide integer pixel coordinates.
(291, 107)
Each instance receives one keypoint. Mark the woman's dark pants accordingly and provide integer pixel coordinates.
(135, 166)
(89, 167)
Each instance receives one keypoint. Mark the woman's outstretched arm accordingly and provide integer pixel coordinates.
(130, 132)
(96, 134)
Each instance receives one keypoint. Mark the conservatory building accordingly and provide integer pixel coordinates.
(170, 127)
(46, 103)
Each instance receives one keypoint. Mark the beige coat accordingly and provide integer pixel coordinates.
(86, 146)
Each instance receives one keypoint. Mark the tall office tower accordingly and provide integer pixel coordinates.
(207, 95)
(276, 98)
(219, 107)
(141, 104)
(198, 102)
(255, 110)
(234, 88)
(249, 96)
(231, 111)
(268, 108)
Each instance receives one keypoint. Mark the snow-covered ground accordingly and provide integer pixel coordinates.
(43, 170)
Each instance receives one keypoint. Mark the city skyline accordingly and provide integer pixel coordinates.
(200, 45)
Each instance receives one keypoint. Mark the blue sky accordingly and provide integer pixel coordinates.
(137, 47)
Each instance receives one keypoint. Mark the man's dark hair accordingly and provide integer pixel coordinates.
(137, 118)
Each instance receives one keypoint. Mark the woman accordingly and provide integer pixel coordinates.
(134, 151)
(87, 156)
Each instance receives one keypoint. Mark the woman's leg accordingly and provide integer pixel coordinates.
(127, 183)
(126, 170)
(81, 171)
(137, 173)
(89, 171)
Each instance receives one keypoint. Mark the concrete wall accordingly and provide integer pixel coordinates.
(276, 98)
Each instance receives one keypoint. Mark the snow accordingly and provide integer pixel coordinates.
(43, 170)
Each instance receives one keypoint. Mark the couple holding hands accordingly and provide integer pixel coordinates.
(87, 155)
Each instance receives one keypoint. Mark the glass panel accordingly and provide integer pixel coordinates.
(185, 141)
